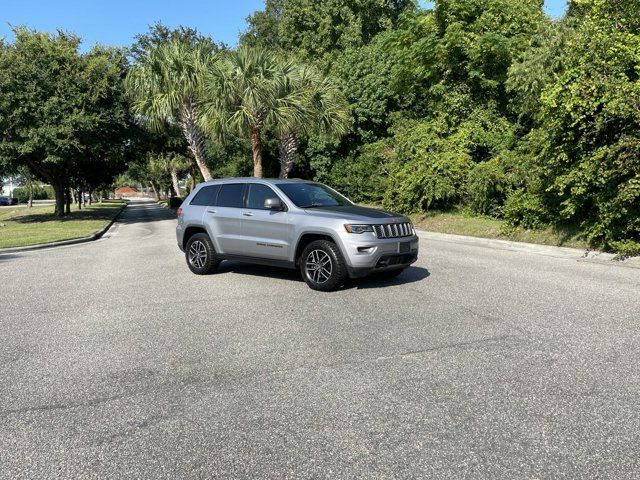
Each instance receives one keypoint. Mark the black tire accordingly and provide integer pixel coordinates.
(200, 255)
(391, 274)
(317, 273)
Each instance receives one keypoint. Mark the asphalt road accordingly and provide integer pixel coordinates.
(117, 362)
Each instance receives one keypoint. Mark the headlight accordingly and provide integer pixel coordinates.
(351, 228)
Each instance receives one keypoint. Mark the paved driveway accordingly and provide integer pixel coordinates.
(117, 362)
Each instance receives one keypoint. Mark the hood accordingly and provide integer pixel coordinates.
(354, 213)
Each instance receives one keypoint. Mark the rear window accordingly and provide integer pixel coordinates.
(206, 195)
(230, 195)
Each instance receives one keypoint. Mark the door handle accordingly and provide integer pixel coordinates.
(247, 214)
(212, 211)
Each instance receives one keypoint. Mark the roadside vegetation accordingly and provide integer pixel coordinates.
(21, 226)
(458, 222)
(486, 107)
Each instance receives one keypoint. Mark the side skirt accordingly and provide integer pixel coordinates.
(258, 261)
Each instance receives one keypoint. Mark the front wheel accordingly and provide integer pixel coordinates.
(322, 266)
(200, 255)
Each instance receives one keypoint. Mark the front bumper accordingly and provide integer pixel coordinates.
(378, 255)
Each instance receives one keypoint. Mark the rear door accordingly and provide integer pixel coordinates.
(266, 233)
(194, 214)
(224, 218)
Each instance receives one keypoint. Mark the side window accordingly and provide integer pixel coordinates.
(206, 196)
(230, 195)
(258, 193)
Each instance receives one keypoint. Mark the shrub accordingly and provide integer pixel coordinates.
(427, 171)
(487, 185)
(39, 193)
(363, 178)
(524, 209)
(434, 181)
(626, 248)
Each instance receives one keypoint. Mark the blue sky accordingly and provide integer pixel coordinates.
(115, 22)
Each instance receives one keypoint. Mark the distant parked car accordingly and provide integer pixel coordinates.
(8, 201)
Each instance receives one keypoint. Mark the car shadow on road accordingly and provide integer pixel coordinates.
(410, 275)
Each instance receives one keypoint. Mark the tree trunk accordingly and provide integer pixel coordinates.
(195, 140)
(256, 150)
(60, 199)
(68, 199)
(192, 175)
(155, 191)
(79, 199)
(30, 202)
(174, 181)
(287, 146)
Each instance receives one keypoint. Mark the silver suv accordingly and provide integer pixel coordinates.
(294, 224)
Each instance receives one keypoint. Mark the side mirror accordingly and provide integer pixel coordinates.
(273, 204)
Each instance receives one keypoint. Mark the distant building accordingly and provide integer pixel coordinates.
(123, 192)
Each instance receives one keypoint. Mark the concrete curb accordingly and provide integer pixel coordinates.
(547, 250)
(63, 243)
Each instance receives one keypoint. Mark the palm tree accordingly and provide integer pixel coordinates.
(307, 102)
(240, 93)
(177, 164)
(166, 88)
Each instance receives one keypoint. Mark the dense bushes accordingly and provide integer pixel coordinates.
(363, 177)
(427, 171)
(487, 104)
(39, 193)
(523, 209)
(487, 185)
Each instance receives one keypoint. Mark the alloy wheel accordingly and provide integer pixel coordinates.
(197, 254)
(318, 266)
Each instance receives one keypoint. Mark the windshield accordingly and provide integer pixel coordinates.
(309, 195)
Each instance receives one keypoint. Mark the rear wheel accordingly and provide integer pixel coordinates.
(200, 254)
(322, 266)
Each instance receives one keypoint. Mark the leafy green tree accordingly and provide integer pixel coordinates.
(465, 44)
(365, 76)
(166, 88)
(591, 110)
(315, 31)
(106, 148)
(536, 67)
(57, 106)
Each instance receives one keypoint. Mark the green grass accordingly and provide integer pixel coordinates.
(21, 226)
(460, 223)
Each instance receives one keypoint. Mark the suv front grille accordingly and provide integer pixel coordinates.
(393, 230)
